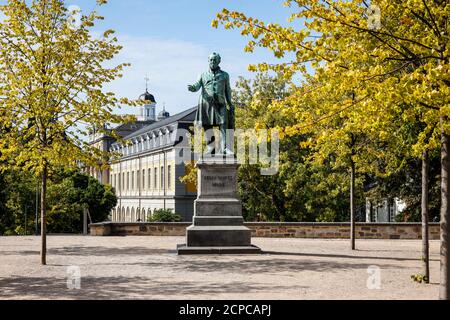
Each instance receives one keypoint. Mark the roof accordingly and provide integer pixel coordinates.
(128, 128)
(187, 115)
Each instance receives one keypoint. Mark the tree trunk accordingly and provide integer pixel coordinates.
(425, 235)
(444, 292)
(352, 206)
(44, 217)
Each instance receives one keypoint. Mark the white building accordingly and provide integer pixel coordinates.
(384, 210)
(147, 175)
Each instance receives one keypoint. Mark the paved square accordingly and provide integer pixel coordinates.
(148, 268)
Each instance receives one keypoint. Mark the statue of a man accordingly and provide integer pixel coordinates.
(215, 108)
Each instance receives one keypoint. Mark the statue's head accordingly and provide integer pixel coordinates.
(214, 61)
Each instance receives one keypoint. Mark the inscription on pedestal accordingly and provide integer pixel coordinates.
(217, 184)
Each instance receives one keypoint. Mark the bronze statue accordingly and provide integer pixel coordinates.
(215, 108)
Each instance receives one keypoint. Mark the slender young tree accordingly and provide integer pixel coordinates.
(51, 89)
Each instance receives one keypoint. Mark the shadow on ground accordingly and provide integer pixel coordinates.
(327, 255)
(268, 263)
(93, 251)
(125, 288)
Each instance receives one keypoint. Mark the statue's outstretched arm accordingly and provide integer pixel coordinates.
(196, 86)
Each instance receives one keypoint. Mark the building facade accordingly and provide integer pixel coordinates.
(147, 174)
(384, 210)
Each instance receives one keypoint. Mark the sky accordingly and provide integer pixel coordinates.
(170, 41)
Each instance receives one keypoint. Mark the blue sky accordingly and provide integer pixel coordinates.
(170, 41)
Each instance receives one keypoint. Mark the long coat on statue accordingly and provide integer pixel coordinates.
(215, 106)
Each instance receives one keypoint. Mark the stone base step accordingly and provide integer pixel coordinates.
(185, 250)
(218, 207)
(218, 236)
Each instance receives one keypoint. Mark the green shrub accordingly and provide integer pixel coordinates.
(164, 215)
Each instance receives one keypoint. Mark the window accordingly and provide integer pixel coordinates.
(138, 177)
(123, 182)
(132, 180)
(143, 179)
(128, 181)
(169, 177)
(155, 184)
(149, 181)
(162, 178)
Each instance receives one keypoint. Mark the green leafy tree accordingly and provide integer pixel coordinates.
(17, 202)
(302, 190)
(68, 193)
(52, 79)
(99, 198)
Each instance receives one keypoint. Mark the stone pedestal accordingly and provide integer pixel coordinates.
(218, 226)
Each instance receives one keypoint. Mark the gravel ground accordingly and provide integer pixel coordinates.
(148, 268)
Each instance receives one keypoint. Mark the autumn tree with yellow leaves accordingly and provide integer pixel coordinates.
(370, 64)
(53, 70)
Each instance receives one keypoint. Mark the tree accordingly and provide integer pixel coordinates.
(425, 218)
(100, 199)
(390, 56)
(68, 193)
(17, 199)
(53, 72)
(301, 190)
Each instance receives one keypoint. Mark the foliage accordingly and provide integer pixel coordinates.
(52, 95)
(375, 94)
(420, 278)
(301, 190)
(99, 198)
(17, 198)
(164, 215)
(406, 185)
(53, 74)
(191, 174)
(400, 60)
